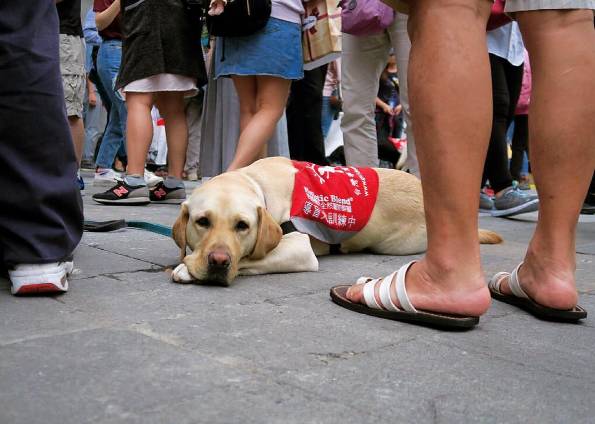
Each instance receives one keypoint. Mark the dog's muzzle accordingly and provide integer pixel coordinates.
(219, 264)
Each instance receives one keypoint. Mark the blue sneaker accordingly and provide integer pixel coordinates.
(486, 204)
(513, 201)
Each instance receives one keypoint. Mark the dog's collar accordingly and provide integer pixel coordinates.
(288, 227)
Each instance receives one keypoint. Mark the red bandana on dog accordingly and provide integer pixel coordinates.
(332, 203)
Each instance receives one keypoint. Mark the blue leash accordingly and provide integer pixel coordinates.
(117, 224)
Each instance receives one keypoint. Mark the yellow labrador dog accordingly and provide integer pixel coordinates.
(231, 224)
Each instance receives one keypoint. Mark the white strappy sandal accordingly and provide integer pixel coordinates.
(387, 309)
(520, 299)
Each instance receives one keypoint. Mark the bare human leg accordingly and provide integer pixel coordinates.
(171, 107)
(246, 89)
(449, 86)
(271, 97)
(139, 130)
(561, 45)
(77, 130)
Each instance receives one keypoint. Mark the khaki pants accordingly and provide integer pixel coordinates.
(363, 60)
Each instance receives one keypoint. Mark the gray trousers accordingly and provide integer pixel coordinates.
(194, 120)
(363, 60)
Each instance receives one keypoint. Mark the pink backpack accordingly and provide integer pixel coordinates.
(365, 17)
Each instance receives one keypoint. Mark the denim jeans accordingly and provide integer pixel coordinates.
(108, 66)
(95, 119)
(328, 114)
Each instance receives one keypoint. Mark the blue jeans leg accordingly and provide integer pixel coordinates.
(327, 116)
(108, 64)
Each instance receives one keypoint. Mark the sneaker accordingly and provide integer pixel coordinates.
(486, 204)
(524, 185)
(151, 179)
(105, 177)
(40, 278)
(124, 194)
(161, 194)
(513, 202)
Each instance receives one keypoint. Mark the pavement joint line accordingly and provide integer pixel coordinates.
(529, 366)
(113, 275)
(259, 372)
(272, 300)
(330, 357)
(126, 256)
(248, 365)
(323, 397)
(55, 334)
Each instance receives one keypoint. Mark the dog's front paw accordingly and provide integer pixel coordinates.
(181, 275)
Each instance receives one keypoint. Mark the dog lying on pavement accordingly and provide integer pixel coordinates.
(232, 224)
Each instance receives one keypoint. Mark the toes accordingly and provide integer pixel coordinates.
(355, 293)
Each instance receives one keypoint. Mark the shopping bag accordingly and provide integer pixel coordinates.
(365, 17)
(321, 36)
(334, 138)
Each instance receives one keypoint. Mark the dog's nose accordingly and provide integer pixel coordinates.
(219, 259)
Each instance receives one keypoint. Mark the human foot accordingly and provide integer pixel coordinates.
(548, 282)
(547, 291)
(451, 292)
(459, 293)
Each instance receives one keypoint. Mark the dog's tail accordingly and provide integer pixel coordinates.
(489, 237)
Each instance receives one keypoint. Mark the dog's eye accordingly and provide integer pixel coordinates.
(242, 225)
(203, 222)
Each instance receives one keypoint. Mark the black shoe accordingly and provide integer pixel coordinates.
(161, 194)
(124, 194)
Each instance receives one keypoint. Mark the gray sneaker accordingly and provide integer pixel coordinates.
(124, 194)
(514, 202)
(162, 194)
(486, 204)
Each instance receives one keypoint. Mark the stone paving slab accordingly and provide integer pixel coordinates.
(126, 345)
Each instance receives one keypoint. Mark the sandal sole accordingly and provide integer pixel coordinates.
(429, 319)
(542, 312)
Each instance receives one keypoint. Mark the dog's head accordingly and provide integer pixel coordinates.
(222, 222)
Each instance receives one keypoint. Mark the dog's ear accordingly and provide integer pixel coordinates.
(268, 236)
(179, 230)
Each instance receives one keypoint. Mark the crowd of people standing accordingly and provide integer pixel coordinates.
(389, 86)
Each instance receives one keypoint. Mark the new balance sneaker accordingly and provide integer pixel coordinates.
(151, 179)
(513, 201)
(40, 278)
(124, 194)
(105, 177)
(486, 204)
(161, 194)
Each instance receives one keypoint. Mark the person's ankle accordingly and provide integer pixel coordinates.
(135, 180)
(173, 182)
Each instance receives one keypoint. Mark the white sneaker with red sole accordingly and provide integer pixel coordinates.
(40, 278)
